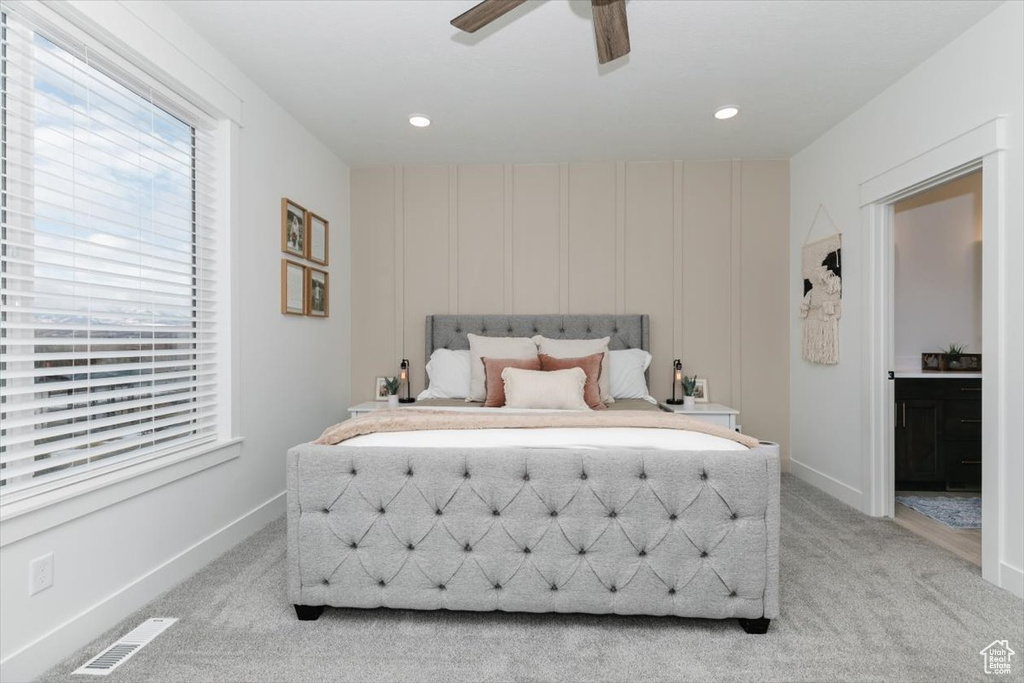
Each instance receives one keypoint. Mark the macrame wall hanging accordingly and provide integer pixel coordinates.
(822, 306)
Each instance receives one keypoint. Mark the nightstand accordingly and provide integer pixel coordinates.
(715, 413)
(370, 406)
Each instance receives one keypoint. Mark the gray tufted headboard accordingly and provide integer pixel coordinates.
(626, 331)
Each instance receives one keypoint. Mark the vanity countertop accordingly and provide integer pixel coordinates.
(911, 374)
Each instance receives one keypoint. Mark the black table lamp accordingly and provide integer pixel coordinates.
(677, 381)
(403, 378)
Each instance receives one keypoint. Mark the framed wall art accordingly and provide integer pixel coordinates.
(317, 238)
(293, 228)
(317, 292)
(293, 287)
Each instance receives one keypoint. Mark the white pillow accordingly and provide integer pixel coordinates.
(493, 347)
(578, 348)
(448, 374)
(557, 389)
(627, 378)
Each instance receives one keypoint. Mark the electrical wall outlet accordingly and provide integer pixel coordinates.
(40, 574)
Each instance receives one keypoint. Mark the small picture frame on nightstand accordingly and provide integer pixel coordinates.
(700, 392)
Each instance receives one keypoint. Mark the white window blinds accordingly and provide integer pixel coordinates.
(107, 300)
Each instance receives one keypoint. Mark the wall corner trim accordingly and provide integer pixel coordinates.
(829, 485)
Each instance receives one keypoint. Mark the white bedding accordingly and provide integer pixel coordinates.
(582, 438)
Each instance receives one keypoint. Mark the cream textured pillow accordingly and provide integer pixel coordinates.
(577, 348)
(558, 389)
(518, 348)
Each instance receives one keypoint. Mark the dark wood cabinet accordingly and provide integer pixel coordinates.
(917, 441)
(938, 433)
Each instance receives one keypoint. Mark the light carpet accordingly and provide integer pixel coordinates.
(862, 600)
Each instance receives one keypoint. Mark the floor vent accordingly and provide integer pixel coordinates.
(125, 648)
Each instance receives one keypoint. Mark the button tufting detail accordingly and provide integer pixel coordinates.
(671, 591)
(353, 545)
(381, 583)
(408, 472)
(465, 475)
(326, 511)
(732, 516)
(613, 589)
(613, 514)
(703, 475)
(496, 512)
(527, 550)
(583, 476)
(554, 513)
(352, 471)
(438, 512)
(732, 594)
(497, 586)
(526, 477)
(509, 329)
(643, 475)
(672, 517)
(583, 551)
(643, 553)
(381, 510)
(326, 582)
(441, 587)
(467, 548)
(703, 553)
(554, 587)
(411, 547)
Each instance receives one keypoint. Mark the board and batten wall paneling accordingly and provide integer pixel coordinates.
(700, 246)
(592, 214)
(647, 257)
(707, 276)
(481, 265)
(425, 261)
(764, 301)
(373, 279)
(536, 248)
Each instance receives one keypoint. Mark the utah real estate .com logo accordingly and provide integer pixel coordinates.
(997, 657)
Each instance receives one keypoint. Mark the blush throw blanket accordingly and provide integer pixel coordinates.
(427, 420)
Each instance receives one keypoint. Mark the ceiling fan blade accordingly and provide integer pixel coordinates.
(610, 29)
(478, 16)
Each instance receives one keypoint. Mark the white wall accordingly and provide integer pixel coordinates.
(937, 298)
(294, 381)
(974, 79)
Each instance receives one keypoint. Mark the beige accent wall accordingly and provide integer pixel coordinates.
(699, 246)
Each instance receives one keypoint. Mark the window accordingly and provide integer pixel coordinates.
(107, 301)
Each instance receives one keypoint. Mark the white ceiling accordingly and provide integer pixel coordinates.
(528, 87)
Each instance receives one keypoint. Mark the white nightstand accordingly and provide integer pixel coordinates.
(370, 406)
(715, 413)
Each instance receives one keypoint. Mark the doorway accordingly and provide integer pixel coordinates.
(937, 338)
(982, 147)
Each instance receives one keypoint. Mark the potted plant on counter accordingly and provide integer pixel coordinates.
(392, 384)
(689, 386)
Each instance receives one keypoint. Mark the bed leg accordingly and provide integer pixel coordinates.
(308, 612)
(759, 625)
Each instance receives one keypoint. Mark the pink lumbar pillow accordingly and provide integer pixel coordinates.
(589, 364)
(494, 386)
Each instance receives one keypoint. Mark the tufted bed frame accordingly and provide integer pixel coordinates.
(683, 533)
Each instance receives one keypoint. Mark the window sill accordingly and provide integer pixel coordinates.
(20, 519)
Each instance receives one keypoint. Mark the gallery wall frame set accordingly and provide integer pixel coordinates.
(305, 290)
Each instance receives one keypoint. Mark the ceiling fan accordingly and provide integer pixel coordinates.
(610, 27)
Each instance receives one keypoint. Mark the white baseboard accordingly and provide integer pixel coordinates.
(38, 656)
(1012, 579)
(832, 487)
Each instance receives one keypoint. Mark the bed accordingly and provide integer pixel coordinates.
(656, 530)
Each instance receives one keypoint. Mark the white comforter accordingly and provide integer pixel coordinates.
(585, 438)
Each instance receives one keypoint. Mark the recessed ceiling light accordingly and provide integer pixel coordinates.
(726, 112)
(419, 120)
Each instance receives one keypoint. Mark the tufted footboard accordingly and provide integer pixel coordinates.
(691, 534)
